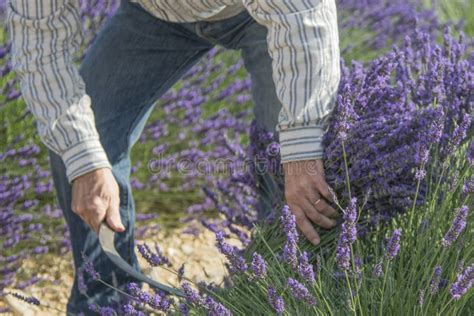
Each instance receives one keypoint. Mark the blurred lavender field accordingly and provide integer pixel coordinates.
(207, 117)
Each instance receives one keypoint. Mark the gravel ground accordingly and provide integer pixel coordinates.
(202, 263)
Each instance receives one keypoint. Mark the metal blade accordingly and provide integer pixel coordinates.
(106, 240)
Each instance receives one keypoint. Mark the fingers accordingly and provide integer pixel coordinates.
(95, 217)
(323, 189)
(306, 226)
(92, 214)
(113, 217)
(95, 198)
(323, 207)
(317, 217)
(304, 185)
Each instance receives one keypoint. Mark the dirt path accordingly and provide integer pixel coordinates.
(202, 263)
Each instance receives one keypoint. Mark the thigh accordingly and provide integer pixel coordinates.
(251, 40)
(132, 62)
(243, 33)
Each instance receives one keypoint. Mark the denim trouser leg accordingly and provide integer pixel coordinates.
(249, 38)
(134, 60)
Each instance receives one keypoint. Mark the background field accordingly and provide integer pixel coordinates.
(172, 207)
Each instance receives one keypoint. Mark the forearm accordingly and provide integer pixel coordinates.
(303, 43)
(45, 35)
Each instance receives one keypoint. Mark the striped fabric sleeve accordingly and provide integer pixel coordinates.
(45, 36)
(303, 43)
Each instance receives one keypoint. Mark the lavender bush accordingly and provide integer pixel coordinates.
(409, 109)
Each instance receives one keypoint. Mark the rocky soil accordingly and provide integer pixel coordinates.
(202, 263)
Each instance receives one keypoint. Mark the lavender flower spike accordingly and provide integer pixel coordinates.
(393, 245)
(456, 229)
(89, 269)
(155, 259)
(288, 221)
(30, 300)
(306, 269)
(259, 266)
(215, 308)
(348, 236)
(275, 300)
(300, 292)
(192, 296)
(463, 283)
(435, 281)
(238, 263)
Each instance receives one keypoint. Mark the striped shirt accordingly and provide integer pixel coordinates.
(303, 43)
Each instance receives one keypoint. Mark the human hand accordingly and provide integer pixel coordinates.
(95, 197)
(307, 195)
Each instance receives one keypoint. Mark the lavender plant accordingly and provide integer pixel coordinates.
(409, 111)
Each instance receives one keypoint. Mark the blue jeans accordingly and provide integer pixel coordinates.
(135, 59)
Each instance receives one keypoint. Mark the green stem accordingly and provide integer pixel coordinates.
(353, 308)
(347, 169)
(442, 310)
(383, 288)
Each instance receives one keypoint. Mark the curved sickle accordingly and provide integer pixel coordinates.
(106, 240)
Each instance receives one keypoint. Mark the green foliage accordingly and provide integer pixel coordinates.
(404, 286)
(455, 11)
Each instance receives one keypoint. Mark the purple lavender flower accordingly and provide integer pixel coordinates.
(275, 300)
(459, 133)
(306, 269)
(300, 292)
(89, 269)
(377, 270)
(130, 310)
(435, 280)
(259, 266)
(237, 261)
(463, 283)
(290, 251)
(157, 301)
(192, 296)
(470, 153)
(420, 174)
(155, 259)
(343, 255)
(184, 309)
(393, 245)
(348, 236)
(30, 300)
(468, 186)
(215, 308)
(456, 229)
(288, 221)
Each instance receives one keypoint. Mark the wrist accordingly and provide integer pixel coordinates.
(301, 143)
(84, 157)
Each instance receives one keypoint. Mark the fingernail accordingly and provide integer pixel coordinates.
(315, 241)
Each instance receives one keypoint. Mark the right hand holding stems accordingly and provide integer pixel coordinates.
(95, 198)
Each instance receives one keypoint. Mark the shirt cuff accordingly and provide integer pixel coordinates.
(301, 143)
(83, 157)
